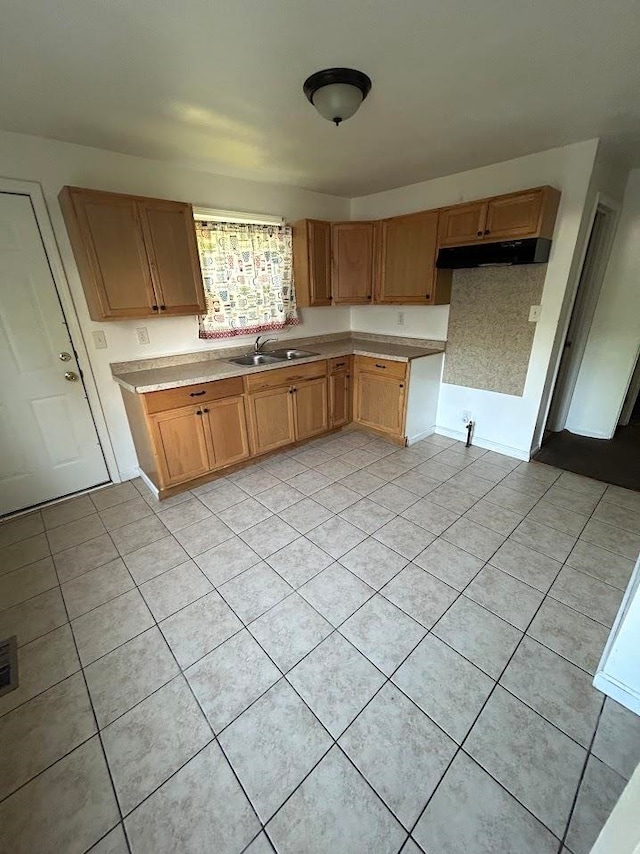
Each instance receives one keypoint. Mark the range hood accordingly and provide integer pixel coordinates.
(533, 250)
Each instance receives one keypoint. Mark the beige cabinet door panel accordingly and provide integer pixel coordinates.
(379, 402)
(169, 235)
(271, 419)
(180, 440)
(310, 408)
(352, 247)
(228, 430)
(514, 216)
(462, 224)
(407, 259)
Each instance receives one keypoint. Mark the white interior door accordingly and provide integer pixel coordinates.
(48, 441)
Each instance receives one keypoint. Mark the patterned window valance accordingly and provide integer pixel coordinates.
(248, 281)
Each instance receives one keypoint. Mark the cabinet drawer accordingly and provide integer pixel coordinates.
(172, 398)
(385, 367)
(339, 364)
(285, 376)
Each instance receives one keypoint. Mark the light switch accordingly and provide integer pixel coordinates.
(142, 334)
(99, 340)
(534, 313)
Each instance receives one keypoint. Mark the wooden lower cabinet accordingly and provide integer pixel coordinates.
(339, 399)
(227, 425)
(310, 408)
(181, 444)
(271, 419)
(379, 402)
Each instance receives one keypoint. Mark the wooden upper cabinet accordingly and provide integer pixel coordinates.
(352, 247)
(407, 273)
(312, 262)
(462, 224)
(531, 214)
(134, 255)
(170, 239)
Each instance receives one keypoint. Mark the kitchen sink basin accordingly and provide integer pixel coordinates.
(292, 354)
(256, 359)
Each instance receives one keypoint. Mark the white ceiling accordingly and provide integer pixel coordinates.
(218, 85)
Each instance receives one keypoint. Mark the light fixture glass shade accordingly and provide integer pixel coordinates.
(337, 101)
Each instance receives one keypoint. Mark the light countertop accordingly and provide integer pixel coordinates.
(166, 375)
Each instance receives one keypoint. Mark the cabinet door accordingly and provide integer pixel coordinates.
(379, 402)
(170, 238)
(310, 408)
(271, 419)
(462, 224)
(228, 431)
(407, 259)
(514, 216)
(339, 399)
(180, 441)
(319, 262)
(352, 247)
(107, 241)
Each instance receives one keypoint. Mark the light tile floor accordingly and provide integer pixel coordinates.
(347, 648)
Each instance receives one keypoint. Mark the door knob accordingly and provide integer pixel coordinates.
(71, 376)
(64, 357)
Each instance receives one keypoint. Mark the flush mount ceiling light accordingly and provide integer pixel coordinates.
(336, 93)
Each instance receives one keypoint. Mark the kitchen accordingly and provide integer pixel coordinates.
(311, 593)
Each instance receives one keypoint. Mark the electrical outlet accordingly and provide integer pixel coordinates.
(99, 340)
(400, 318)
(466, 416)
(534, 313)
(142, 334)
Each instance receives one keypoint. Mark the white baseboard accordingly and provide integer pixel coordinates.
(622, 694)
(461, 436)
(129, 474)
(148, 483)
(411, 440)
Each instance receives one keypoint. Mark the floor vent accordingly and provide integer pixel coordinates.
(8, 664)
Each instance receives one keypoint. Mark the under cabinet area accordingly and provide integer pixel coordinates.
(137, 257)
(186, 435)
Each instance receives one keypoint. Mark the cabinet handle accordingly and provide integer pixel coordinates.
(384, 367)
(154, 307)
(205, 410)
(479, 234)
(340, 365)
(197, 393)
(162, 307)
(487, 231)
(198, 412)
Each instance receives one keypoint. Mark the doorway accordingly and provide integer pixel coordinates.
(582, 313)
(49, 445)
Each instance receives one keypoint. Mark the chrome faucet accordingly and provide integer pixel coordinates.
(257, 347)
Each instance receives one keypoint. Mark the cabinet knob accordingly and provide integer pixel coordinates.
(198, 412)
(427, 296)
(487, 231)
(162, 307)
(154, 307)
(205, 410)
(479, 234)
(401, 385)
(368, 296)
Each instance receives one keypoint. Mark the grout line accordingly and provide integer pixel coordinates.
(336, 629)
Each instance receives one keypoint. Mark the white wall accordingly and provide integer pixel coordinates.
(419, 321)
(54, 164)
(503, 421)
(614, 340)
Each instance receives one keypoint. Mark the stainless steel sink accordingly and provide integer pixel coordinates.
(256, 359)
(291, 354)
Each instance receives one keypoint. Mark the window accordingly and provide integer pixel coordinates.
(248, 281)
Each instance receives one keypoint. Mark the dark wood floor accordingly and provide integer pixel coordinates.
(614, 460)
